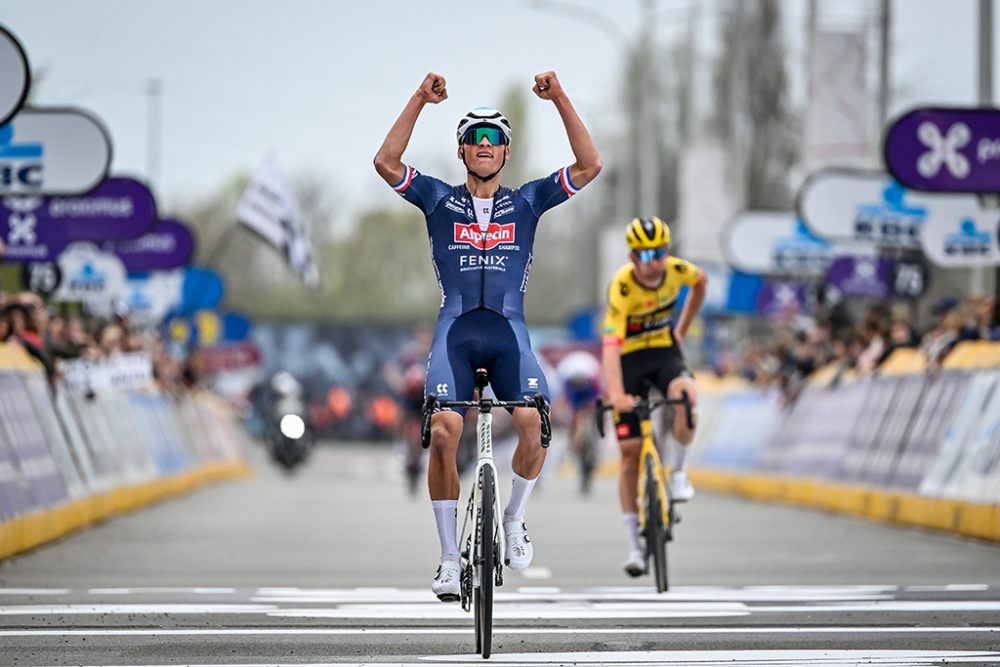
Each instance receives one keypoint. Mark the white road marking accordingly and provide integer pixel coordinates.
(35, 610)
(34, 591)
(464, 630)
(160, 591)
(949, 588)
(536, 573)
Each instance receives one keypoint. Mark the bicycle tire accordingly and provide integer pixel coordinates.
(483, 595)
(656, 539)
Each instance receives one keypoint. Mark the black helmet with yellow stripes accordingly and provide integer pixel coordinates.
(648, 232)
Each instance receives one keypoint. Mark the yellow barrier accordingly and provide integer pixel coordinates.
(31, 530)
(965, 518)
(14, 358)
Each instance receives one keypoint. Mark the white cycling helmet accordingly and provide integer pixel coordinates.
(484, 116)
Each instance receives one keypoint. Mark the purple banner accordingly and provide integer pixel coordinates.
(37, 229)
(946, 150)
(866, 277)
(778, 298)
(169, 245)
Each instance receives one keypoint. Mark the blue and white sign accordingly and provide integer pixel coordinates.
(53, 152)
(869, 207)
(15, 76)
(966, 239)
(775, 243)
(90, 276)
(150, 296)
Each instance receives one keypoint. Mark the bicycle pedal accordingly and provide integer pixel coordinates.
(448, 597)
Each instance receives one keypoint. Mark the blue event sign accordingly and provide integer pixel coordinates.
(940, 149)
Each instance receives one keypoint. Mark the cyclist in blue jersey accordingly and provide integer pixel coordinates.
(481, 246)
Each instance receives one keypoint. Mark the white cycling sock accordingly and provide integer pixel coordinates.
(520, 490)
(678, 454)
(631, 522)
(446, 517)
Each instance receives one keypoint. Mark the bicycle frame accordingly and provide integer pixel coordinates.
(484, 439)
(649, 449)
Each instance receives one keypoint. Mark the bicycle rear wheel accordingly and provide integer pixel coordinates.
(486, 560)
(656, 537)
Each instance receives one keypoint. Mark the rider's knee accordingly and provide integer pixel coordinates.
(444, 438)
(529, 430)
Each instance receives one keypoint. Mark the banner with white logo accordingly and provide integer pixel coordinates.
(965, 237)
(150, 296)
(53, 152)
(15, 76)
(946, 150)
(90, 276)
(269, 208)
(775, 243)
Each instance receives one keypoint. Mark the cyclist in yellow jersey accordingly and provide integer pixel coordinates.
(643, 348)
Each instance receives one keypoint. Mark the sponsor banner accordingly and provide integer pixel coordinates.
(169, 245)
(15, 75)
(61, 151)
(133, 370)
(946, 149)
(865, 206)
(861, 276)
(90, 276)
(37, 229)
(965, 238)
(775, 243)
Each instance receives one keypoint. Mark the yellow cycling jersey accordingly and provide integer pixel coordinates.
(639, 317)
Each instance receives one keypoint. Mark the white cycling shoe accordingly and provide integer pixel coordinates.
(446, 581)
(518, 550)
(635, 564)
(680, 487)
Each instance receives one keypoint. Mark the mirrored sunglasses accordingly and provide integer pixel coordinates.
(647, 255)
(474, 135)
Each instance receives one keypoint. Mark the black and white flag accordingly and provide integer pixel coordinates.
(268, 208)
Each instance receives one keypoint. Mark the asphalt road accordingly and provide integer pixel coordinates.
(333, 566)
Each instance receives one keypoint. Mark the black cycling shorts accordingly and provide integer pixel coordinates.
(641, 370)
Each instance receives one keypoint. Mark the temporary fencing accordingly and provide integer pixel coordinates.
(906, 445)
(105, 441)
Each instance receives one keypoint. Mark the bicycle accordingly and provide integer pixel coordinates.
(657, 516)
(482, 535)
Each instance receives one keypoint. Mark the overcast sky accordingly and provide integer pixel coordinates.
(319, 82)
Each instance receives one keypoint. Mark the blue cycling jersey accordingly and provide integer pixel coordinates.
(477, 269)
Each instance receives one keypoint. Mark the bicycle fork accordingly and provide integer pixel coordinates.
(649, 447)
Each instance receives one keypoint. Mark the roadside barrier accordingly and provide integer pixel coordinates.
(906, 445)
(107, 441)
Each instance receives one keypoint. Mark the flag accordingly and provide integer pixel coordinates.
(269, 209)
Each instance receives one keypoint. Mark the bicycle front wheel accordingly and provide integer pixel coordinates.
(486, 563)
(656, 534)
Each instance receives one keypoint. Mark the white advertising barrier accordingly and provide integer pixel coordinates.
(776, 243)
(131, 370)
(90, 276)
(740, 429)
(962, 235)
(15, 75)
(978, 469)
(953, 449)
(62, 151)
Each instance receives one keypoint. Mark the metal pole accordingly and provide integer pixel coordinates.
(885, 47)
(154, 97)
(648, 146)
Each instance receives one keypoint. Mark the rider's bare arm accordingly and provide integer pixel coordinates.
(611, 361)
(388, 160)
(692, 305)
(588, 160)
